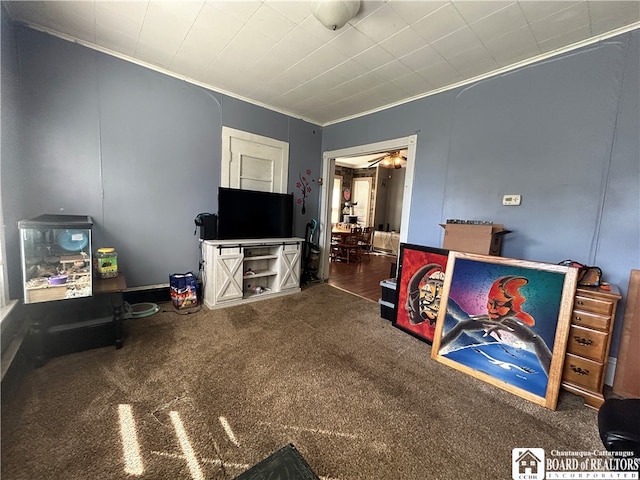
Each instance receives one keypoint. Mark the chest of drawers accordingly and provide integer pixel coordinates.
(594, 312)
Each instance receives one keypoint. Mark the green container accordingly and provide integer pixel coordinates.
(107, 260)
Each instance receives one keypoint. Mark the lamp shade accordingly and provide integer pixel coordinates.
(334, 14)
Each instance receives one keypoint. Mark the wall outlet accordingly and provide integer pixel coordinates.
(511, 199)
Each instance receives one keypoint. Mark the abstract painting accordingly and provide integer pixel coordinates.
(421, 273)
(506, 322)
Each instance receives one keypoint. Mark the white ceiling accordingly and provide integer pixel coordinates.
(278, 55)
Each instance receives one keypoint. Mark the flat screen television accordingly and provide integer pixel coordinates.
(254, 214)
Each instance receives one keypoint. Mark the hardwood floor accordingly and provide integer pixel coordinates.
(362, 278)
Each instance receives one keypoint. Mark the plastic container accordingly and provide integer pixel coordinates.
(107, 262)
(58, 279)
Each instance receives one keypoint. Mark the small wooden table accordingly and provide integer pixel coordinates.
(340, 233)
(90, 333)
(113, 286)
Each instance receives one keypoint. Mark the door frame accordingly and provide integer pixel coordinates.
(328, 171)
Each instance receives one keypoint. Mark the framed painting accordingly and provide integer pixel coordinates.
(506, 322)
(421, 274)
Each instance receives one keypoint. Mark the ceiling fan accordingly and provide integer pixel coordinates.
(390, 160)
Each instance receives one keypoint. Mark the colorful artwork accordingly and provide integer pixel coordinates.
(421, 274)
(506, 321)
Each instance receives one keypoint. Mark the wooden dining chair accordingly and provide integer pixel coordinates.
(348, 248)
(334, 247)
(365, 241)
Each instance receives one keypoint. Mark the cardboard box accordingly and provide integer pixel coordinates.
(484, 239)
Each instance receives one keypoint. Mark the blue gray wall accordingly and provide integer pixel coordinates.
(140, 152)
(13, 170)
(136, 150)
(564, 133)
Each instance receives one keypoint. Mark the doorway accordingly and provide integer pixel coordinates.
(327, 192)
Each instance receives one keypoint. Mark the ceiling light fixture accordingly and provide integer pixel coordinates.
(334, 14)
(393, 159)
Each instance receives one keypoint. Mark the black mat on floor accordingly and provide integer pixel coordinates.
(285, 464)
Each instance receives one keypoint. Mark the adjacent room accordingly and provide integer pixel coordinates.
(367, 198)
(330, 240)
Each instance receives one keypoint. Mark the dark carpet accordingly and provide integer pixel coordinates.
(209, 395)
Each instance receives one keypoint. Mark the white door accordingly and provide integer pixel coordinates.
(254, 162)
(362, 197)
(336, 201)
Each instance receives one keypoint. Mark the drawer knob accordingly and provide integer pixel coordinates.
(585, 342)
(578, 318)
(579, 302)
(579, 371)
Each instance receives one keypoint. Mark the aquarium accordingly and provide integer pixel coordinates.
(56, 257)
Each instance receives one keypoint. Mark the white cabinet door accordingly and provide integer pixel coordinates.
(254, 162)
(289, 272)
(228, 274)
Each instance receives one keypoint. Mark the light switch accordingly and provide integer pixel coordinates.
(511, 199)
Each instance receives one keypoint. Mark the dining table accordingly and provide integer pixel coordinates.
(339, 234)
(339, 251)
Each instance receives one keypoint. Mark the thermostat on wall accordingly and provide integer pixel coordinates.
(511, 199)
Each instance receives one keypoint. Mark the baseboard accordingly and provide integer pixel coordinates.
(6, 310)
(150, 294)
(147, 287)
(9, 353)
(14, 326)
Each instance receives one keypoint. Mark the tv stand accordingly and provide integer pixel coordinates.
(246, 270)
